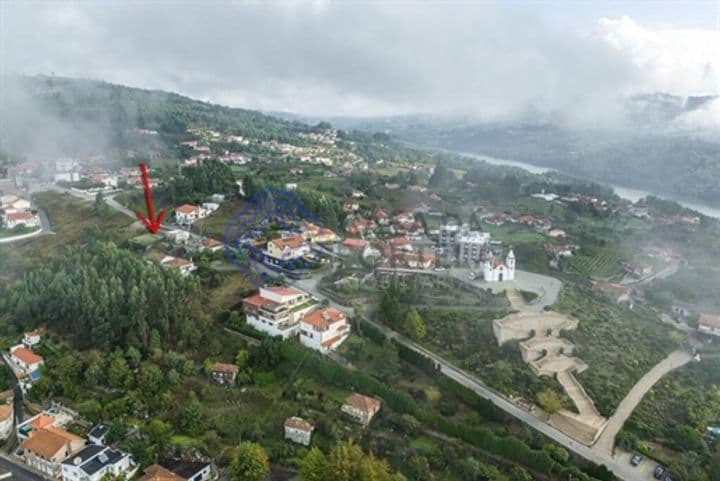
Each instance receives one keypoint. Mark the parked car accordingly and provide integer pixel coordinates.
(636, 459)
(659, 471)
(439, 269)
(471, 275)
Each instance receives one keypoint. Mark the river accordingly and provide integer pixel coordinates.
(628, 193)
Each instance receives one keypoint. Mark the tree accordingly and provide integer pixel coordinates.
(250, 463)
(419, 468)
(313, 466)
(100, 207)
(119, 374)
(267, 354)
(192, 416)
(549, 401)
(241, 358)
(414, 326)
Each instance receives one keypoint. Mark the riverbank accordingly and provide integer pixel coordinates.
(628, 193)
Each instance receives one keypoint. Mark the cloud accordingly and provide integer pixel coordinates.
(678, 61)
(352, 58)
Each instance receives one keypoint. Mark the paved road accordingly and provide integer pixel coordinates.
(19, 472)
(606, 440)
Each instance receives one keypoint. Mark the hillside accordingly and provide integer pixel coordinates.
(53, 116)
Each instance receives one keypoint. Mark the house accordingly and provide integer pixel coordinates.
(18, 205)
(96, 462)
(495, 270)
(31, 338)
(224, 374)
(401, 244)
(350, 207)
(97, 433)
(361, 408)
(178, 236)
(28, 219)
(184, 266)
(209, 208)
(288, 248)
(317, 234)
(298, 430)
(639, 270)
(357, 194)
(7, 417)
(291, 186)
(47, 447)
(380, 216)
(178, 470)
(26, 360)
(277, 310)
(556, 233)
(210, 244)
(351, 245)
(412, 260)
(218, 198)
(361, 226)
(560, 250)
(186, 214)
(324, 329)
(709, 324)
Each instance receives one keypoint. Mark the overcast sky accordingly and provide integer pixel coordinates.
(360, 58)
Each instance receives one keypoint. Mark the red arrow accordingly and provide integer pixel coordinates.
(152, 224)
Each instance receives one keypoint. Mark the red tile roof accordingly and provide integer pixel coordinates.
(225, 368)
(26, 355)
(292, 242)
(709, 320)
(187, 209)
(352, 243)
(322, 318)
(15, 216)
(363, 403)
(299, 424)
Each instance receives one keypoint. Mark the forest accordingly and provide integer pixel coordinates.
(104, 297)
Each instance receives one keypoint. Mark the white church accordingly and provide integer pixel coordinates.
(495, 270)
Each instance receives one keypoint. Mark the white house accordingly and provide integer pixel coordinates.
(31, 338)
(97, 434)
(25, 359)
(18, 205)
(210, 207)
(324, 329)
(277, 310)
(95, 462)
(184, 266)
(298, 430)
(495, 270)
(288, 248)
(709, 324)
(178, 236)
(186, 214)
(361, 408)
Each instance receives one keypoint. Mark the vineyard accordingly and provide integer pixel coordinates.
(603, 264)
